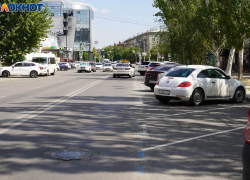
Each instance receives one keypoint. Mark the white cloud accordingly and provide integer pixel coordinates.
(103, 11)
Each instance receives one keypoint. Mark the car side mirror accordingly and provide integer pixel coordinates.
(13, 66)
(228, 77)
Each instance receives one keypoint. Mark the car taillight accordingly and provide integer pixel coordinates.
(148, 73)
(40, 67)
(151, 68)
(158, 77)
(115, 68)
(185, 84)
(247, 130)
(146, 66)
(127, 68)
(158, 82)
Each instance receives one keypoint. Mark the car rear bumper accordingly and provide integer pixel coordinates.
(150, 83)
(246, 161)
(122, 73)
(175, 93)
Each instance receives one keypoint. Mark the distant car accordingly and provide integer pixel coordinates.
(151, 76)
(21, 69)
(93, 66)
(137, 63)
(142, 68)
(113, 64)
(84, 66)
(99, 66)
(124, 69)
(73, 66)
(107, 67)
(153, 65)
(246, 151)
(47, 61)
(63, 66)
(196, 83)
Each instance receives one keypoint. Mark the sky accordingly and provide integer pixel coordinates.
(107, 32)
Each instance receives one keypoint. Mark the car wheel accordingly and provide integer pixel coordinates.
(164, 101)
(197, 97)
(5, 74)
(142, 73)
(134, 75)
(239, 95)
(130, 76)
(114, 76)
(47, 73)
(152, 88)
(33, 74)
(53, 73)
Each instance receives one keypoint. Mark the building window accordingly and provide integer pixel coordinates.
(52, 14)
(78, 22)
(78, 12)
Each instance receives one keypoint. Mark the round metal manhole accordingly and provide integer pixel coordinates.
(70, 154)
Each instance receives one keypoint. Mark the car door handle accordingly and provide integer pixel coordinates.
(213, 82)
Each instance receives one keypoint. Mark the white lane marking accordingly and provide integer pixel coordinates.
(44, 108)
(215, 109)
(2, 97)
(190, 139)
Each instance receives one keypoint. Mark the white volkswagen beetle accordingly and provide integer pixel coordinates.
(196, 83)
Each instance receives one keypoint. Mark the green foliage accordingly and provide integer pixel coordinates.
(22, 32)
(95, 54)
(85, 56)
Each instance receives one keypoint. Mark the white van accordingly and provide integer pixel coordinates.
(47, 61)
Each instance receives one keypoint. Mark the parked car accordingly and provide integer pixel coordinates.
(107, 67)
(99, 66)
(124, 69)
(142, 68)
(151, 76)
(196, 83)
(47, 61)
(21, 69)
(246, 151)
(84, 66)
(153, 65)
(93, 66)
(63, 66)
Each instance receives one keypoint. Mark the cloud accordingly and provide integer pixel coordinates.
(103, 11)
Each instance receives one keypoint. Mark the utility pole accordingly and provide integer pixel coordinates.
(157, 49)
(144, 48)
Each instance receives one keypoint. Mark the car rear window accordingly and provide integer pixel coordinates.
(183, 72)
(144, 63)
(122, 65)
(84, 64)
(163, 68)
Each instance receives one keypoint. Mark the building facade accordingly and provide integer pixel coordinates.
(73, 25)
(143, 40)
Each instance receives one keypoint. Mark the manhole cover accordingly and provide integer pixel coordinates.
(70, 154)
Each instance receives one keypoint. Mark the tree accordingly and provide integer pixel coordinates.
(186, 43)
(95, 55)
(22, 32)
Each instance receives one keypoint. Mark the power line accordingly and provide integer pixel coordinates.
(122, 18)
(126, 21)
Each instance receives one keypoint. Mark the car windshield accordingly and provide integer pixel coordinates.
(107, 64)
(98, 64)
(182, 72)
(154, 64)
(163, 68)
(84, 64)
(40, 60)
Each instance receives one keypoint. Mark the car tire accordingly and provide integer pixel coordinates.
(152, 88)
(47, 73)
(53, 73)
(114, 76)
(164, 101)
(239, 95)
(142, 73)
(134, 75)
(33, 74)
(5, 74)
(130, 76)
(197, 97)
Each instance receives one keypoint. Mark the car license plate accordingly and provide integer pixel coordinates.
(166, 92)
(152, 81)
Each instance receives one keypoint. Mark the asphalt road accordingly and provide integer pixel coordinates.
(129, 133)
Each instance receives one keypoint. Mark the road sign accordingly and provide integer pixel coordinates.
(162, 55)
(96, 42)
(169, 55)
(80, 53)
(153, 39)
